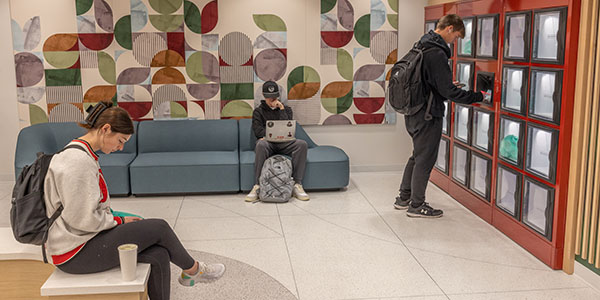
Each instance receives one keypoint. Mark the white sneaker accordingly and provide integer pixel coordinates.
(299, 193)
(253, 195)
(206, 273)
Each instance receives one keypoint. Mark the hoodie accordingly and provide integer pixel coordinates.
(438, 76)
(263, 113)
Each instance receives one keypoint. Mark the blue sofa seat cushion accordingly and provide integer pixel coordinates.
(319, 154)
(185, 172)
(184, 159)
(326, 154)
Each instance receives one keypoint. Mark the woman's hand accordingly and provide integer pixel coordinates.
(131, 219)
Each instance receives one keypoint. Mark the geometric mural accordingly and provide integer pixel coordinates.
(204, 59)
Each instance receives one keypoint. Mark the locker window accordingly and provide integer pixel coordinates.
(460, 164)
(549, 28)
(480, 175)
(514, 89)
(517, 31)
(465, 46)
(538, 207)
(508, 190)
(542, 143)
(546, 93)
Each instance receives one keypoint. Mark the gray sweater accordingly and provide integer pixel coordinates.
(74, 179)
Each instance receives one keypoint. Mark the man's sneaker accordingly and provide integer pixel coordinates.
(424, 211)
(206, 273)
(401, 204)
(253, 195)
(299, 193)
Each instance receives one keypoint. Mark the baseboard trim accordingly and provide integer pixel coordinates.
(377, 168)
(587, 275)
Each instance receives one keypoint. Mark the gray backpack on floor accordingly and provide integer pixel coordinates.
(276, 183)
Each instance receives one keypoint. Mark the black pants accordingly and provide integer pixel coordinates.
(157, 245)
(297, 149)
(426, 137)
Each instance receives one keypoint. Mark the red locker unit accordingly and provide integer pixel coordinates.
(506, 159)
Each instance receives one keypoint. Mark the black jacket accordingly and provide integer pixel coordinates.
(438, 76)
(263, 113)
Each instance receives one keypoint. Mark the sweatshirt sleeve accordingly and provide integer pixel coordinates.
(258, 124)
(290, 113)
(439, 77)
(77, 185)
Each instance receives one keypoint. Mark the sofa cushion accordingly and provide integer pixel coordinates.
(326, 154)
(185, 172)
(187, 136)
(200, 158)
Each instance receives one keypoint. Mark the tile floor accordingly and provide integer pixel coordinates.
(352, 244)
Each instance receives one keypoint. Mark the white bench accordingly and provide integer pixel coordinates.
(22, 270)
(24, 275)
(104, 285)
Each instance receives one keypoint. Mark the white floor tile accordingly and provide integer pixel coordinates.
(381, 190)
(223, 206)
(460, 276)
(460, 234)
(267, 255)
(332, 262)
(550, 294)
(149, 207)
(345, 244)
(335, 202)
(227, 228)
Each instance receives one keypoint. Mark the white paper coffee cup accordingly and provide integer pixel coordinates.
(128, 260)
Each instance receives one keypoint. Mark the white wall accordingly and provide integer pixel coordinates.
(9, 120)
(370, 147)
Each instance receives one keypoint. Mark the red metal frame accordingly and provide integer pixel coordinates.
(550, 252)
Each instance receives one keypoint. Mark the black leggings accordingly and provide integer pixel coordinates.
(157, 245)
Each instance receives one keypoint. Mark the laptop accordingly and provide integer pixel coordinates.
(279, 131)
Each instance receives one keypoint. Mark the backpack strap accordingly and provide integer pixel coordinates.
(428, 115)
(72, 147)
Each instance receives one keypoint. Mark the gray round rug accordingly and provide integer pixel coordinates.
(240, 281)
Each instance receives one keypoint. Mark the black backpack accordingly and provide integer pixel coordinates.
(28, 218)
(406, 88)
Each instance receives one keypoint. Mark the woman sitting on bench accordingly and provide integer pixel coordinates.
(85, 237)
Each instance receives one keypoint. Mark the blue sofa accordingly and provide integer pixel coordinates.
(51, 137)
(186, 156)
(183, 157)
(327, 167)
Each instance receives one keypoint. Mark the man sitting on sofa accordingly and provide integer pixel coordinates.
(272, 109)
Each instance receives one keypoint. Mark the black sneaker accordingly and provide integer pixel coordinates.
(401, 204)
(424, 211)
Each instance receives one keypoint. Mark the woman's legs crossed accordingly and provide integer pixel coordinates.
(159, 283)
(101, 254)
